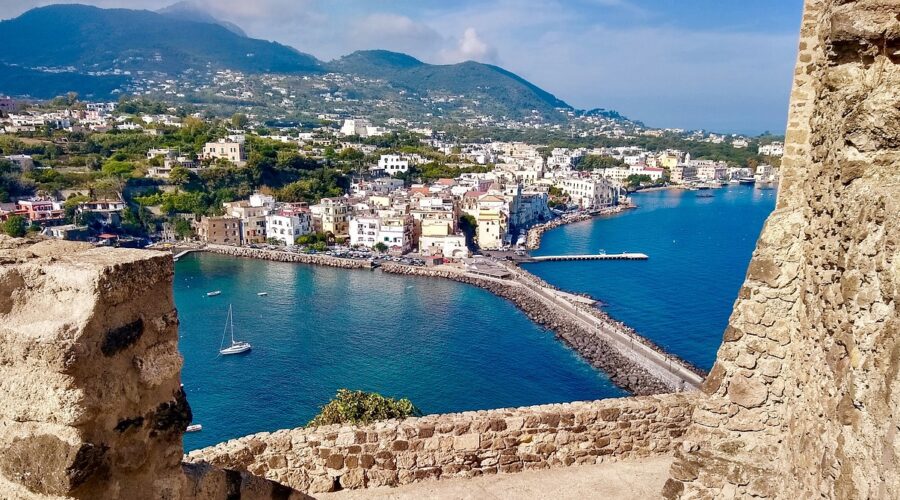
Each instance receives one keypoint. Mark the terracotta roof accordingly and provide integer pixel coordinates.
(474, 194)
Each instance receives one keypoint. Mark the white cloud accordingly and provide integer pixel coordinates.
(469, 48)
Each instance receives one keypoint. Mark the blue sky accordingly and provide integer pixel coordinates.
(721, 65)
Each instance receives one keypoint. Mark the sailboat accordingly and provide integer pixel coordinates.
(236, 347)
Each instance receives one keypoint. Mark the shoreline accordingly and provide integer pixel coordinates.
(536, 233)
(632, 362)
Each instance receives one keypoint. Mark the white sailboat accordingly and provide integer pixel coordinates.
(236, 347)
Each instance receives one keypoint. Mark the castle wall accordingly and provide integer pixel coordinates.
(804, 398)
(466, 444)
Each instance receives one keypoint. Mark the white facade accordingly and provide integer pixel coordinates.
(774, 149)
(364, 231)
(286, 228)
(589, 193)
(393, 164)
(453, 245)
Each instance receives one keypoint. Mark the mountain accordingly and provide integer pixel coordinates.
(97, 49)
(93, 39)
(190, 11)
(22, 81)
(469, 78)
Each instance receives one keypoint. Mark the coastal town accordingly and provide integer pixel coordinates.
(136, 173)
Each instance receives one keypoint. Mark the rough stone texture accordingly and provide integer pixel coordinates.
(804, 399)
(89, 367)
(459, 445)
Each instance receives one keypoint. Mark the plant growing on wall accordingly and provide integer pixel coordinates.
(360, 407)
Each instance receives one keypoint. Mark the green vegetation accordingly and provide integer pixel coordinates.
(380, 247)
(592, 162)
(15, 226)
(431, 172)
(358, 407)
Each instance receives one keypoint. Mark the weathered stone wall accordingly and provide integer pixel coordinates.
(804, 399)
(459, 445)
(90, 373)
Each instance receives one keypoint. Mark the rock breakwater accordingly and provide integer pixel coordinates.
(282, 256)
(622, 370)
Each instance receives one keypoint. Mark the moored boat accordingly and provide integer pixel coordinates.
(236, 347)
(214, 293)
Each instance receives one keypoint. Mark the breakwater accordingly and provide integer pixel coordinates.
(281, 256)
(395, 452)
(630, 372)
(533, 238)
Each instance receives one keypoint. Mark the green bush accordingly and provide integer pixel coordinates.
(359, 407)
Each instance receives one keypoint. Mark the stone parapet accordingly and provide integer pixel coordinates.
(465, 444)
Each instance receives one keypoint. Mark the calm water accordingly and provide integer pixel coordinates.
(699, 251)
(446, 346)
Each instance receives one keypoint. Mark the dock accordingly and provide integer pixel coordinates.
(599, 256)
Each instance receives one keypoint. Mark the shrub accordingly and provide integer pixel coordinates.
(359, 407)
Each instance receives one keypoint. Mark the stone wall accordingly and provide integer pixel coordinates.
(90, 374)
(284, 256)
(460, 444)
(804, 398)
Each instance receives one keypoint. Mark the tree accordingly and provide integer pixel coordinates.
(274, 241)
(380, 247)
(182, 228)
(239, 120)
(359, 407)
(15, 226)
(180, 176)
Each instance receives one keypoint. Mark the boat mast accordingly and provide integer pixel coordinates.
(231, 320)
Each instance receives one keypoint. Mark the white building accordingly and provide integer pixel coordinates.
(451, 245)
(396, 232)
(364, 231)
(393, 164)
(287, 227)
(773, 149)
(362, 128)
(589, 193)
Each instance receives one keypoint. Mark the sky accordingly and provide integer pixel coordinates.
(722, 65)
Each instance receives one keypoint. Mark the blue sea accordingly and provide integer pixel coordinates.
(699, 248)
(448, 346)
(444, 345)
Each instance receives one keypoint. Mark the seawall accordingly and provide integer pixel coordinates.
(280, 256)
(468, 444)
(624, 371)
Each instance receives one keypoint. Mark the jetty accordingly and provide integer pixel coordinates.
(599, 256)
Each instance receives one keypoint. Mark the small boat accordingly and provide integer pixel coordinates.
(194, 428)
(262, 294)
(214, 293)
(236, 347)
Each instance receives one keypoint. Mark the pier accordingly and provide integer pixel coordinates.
(599, 256)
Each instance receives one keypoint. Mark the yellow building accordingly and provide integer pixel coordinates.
(491, 229)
